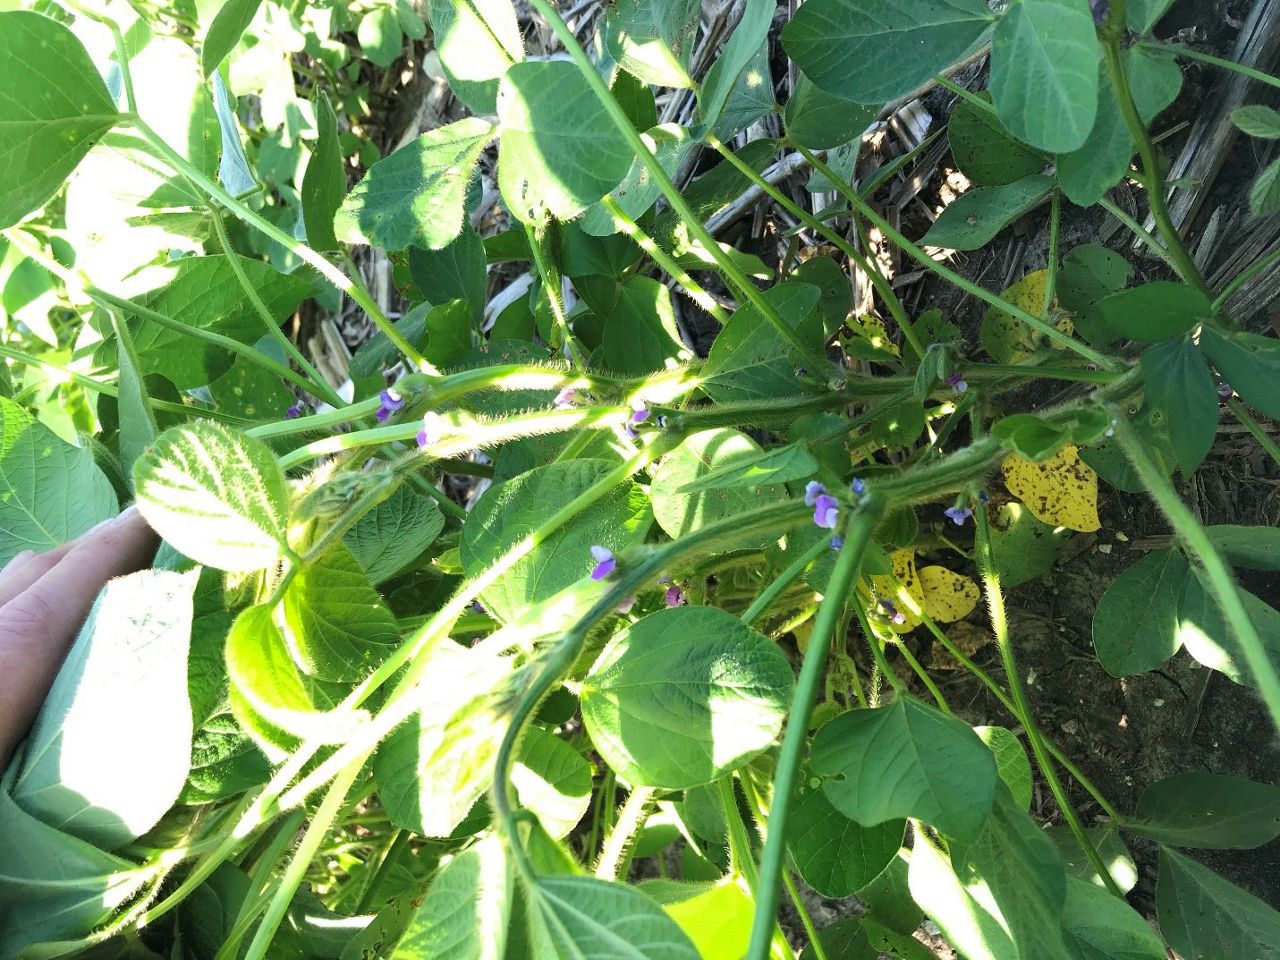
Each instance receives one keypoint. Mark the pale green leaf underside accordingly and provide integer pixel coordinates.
(1203, 915)
(582, 918)
(50, 491)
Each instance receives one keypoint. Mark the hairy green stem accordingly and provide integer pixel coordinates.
(327, 270)
(1112, 56)
(1051, 286)
(782, 581)
(1189, 53)
(735, 277)
(1139, 231)
(1255, 268)
(1221, 584)
(864, 263)
(1264, 439)
(618, 844)
(865, 515)
(550, 278)
(1000, 625)
(917, 253)
(320, 386)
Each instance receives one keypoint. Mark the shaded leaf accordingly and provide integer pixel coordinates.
(977, 215)
(1135, 627)
(1203, 915)
(1208, 811)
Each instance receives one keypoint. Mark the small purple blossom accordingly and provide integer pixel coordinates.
(1100, 10)
(429, 435)
(958, 514)
(895, 615)
(640, 416)
(1225, 391)
(956, 382)
(675, 596)
(812, 491)
(605, 562)
(825, 509)
(391, 402)
(566, 399)
(858, 486)
(294, 412)
(983, 497)
(626, 605)
(836, 542)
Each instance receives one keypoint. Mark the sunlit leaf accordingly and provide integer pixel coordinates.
(1062, 490)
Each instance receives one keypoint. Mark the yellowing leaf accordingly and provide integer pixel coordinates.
(948, 596)
(1006, 337)
(1062, 490)
(904, 568)
(717, 921)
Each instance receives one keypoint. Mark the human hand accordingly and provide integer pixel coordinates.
(44, 600)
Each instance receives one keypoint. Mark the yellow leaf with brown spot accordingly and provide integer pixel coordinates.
(1062, 490)
(1009, 339)
(948, 596)
(903, 562)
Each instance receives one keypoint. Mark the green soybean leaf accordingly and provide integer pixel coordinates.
(275, 702)
(1264, 195)
(124, 682)
(1257, 120)
(1181, 391)
(778, 465)
(818, 120)
(877, 50)
(976, 216)
(1023, 546)
(54, 885)
(553, 780)
(1097, 165)
(700, 455)
(737, 57)
(1097, 925)
(1208, 811)
(54, 109)
(560, 150)
(215, 495)
(380, 35)
(324, 183)
(249, 390)
(1089, 273)
(1106, 840)
(393, 533)
(1203, 915)
(510, 511)
(1011, 762)
(454, 272)
(1135, 627)
(476, 41)
(1155, 311)
(1254, 548)
(233, 165)
(685, 696)
(888, 898)
(985, 151)
(202, 293)
(750, 98)
(749, 359)
(1209, 637)
(1155, 79)
(653, 39)
(435, 765)
(1142, 15)
(835, 855)
(229, 23)
(843, 940)
(415, 196)
(637, 192)
(999, 897)
(466, 911)
(50, 491)
(1250, 363)
(640, 335)
(582, 918)
(906, 760)
(335, 624)
(717, 920)
(224, 762)
(1044, 73)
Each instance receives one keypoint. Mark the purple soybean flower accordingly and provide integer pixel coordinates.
(605, 562)
(1225, 391)
(640, 416)
(895, 615)
(429, 435)
(566, 399)
(956, 382)
(858, 486)
(825, 509)
(391, 402)
(294, 412)
(958, 514)
(626, 605)
(812, 491)
(836, 542)
(675, 596)
(1100, 10)
(983, 497)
